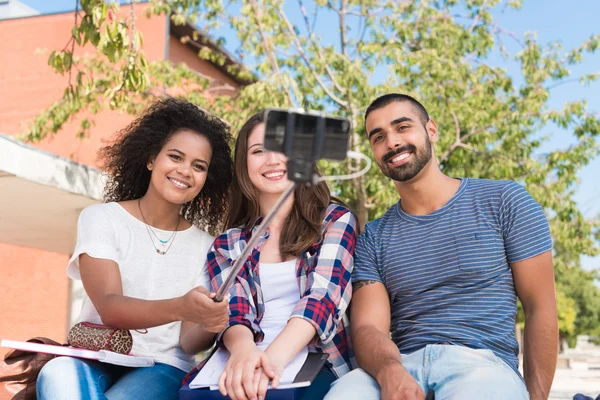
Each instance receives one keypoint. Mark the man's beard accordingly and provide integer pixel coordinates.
(409, 170)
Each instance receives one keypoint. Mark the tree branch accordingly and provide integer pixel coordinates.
(564, 82)
(267, 45)
(307, 61)
(342, 15)
(318, 49)
(459, 142)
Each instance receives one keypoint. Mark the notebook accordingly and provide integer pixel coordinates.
(104, 356)
(300, 372)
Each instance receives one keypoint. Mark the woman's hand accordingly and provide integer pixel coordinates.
(261, 379)
(239, 380)
(198, 306)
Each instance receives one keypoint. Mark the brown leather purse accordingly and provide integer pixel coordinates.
(19, 371)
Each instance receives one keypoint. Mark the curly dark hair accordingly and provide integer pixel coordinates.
(125, 159)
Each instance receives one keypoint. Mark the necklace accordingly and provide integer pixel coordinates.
(163, 243)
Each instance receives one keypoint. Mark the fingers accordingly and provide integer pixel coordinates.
(275, 382)
(202, 289)
(214, 316)
(248, 380)
(258, 372)
(267, 367)
(222, 378)
(263, 385)
(236, 385)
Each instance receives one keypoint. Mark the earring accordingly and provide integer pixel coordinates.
(149, 166)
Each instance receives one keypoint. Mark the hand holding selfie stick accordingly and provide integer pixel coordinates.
(304, 137)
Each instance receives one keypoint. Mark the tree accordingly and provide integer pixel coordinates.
(436, 50)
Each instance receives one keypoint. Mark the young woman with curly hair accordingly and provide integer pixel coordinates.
(292, 294)
(141, 255)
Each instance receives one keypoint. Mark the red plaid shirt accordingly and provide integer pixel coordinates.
(323, 274)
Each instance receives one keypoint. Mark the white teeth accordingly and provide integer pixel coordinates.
(274, 174)
(400, 157)
(179, 184)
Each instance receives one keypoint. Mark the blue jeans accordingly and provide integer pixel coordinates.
(453, 372)
(79, 379)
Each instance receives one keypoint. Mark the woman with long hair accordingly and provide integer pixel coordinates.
(294, 289)
(141, 255)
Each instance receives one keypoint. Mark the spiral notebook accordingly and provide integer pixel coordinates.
(104, 356)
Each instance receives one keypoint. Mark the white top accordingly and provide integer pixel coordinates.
(108, 231)
(281, 294)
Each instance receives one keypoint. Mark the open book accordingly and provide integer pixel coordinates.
(300, 372)
(104, 356)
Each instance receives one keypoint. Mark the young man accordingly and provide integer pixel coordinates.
(441, 271)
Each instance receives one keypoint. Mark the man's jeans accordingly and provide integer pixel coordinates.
(453, 372)
(67, 378)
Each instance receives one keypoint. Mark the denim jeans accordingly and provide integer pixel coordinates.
(453, 372)
(79, 379)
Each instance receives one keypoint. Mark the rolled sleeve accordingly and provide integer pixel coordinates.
(241, 310)
(329, 288)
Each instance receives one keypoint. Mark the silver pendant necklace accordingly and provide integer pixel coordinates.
(165, 245)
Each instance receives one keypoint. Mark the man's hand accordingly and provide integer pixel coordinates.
(198, 306)
(397, 384)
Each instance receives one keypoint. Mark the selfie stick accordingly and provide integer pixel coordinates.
(239, 263)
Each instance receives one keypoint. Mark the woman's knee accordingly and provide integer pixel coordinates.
(68, 377)
(58, 370)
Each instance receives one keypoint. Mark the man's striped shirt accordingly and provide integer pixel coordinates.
(447, 273)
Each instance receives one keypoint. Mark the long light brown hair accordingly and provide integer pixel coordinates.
(304, 220)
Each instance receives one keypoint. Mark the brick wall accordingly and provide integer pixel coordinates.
(33, 284)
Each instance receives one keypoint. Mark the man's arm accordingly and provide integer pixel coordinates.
(534, 283)
(375, 352)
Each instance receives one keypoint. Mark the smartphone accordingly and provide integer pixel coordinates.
(307, 136)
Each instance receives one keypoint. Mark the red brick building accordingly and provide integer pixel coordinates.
(38, 218)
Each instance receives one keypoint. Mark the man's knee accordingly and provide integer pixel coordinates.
(355, 385)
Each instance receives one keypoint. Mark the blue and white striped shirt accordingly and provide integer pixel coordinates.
(447, 273)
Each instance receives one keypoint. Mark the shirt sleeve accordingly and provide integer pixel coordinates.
(240, 306)
(329, 287)
(365, 260)
(96, 237)
(524, 226)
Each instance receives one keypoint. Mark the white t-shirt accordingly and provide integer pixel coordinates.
(281, 294)
(108, 231)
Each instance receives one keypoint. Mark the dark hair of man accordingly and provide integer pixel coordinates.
(389, 98)
(126, 159)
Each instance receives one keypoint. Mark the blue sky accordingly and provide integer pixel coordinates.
(553, 20)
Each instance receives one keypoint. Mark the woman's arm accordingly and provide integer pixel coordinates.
(296, 335)
(329, 290)
(102, 282)
(328, 294)
(238, 380)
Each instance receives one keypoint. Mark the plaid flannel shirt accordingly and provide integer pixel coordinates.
(323, 274)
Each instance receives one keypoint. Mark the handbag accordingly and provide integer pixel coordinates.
(86, 335)
(19, 371)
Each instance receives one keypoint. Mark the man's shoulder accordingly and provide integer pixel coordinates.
(375, 227)
(489, 185)
(501, 191)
